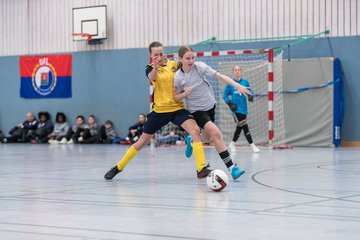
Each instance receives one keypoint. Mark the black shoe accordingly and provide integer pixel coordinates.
(204, 172)
(111, 173)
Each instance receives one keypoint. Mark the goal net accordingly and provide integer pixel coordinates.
(263, 70)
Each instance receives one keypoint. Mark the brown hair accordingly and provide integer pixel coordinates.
(154, 44)
(92, 116)
(237, 65)
(109, 122)
(182, 50)
(81, 117)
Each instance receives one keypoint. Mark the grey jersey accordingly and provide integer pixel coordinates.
(202, 96)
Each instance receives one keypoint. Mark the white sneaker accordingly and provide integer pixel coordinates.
(232, 147)
(70, 141)
(54, 142)
(63, 141)
(80, 139)
(254, 148)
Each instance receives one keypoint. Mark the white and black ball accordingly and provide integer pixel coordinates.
(217, 180)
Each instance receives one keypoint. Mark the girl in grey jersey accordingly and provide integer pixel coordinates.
(191, 84)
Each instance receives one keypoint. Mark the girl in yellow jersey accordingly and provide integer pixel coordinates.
(161, 72)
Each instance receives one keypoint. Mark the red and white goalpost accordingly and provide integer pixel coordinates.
(263, 69)
(271, 95)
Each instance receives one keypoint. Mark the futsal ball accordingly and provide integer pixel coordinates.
(217, 180)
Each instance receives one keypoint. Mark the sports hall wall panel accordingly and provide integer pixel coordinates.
(108, 84)
(111, 84)
(45, 26)
(309, 115)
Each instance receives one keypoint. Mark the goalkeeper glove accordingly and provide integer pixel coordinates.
(233, 107)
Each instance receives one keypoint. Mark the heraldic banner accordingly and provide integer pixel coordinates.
(45, 76)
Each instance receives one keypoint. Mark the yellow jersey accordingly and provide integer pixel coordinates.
(163, 88)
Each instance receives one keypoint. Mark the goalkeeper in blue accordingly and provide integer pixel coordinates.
(238, 106)
(191, 83)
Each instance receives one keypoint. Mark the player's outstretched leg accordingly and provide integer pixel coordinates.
(202, 169)
(216, 137)
(129, 155)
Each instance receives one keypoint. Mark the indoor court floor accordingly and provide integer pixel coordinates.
(58, 192)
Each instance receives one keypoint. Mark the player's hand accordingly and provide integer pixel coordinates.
(157, 62)
(250, 98)
(233, 107)
(243, 90)
(187, 91)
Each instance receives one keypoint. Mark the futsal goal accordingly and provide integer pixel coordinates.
(263, 69)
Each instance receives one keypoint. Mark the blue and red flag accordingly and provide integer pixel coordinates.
(45, 76)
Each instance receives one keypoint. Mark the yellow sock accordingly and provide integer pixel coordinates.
(129, 155)
(198, 151)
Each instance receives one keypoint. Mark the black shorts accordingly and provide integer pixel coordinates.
(202, 117)
(155, 121)
(240, 117)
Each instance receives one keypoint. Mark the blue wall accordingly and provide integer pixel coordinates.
(112, 85)
(108, 84)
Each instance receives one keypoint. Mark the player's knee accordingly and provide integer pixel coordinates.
(143, 140)
(195, 131)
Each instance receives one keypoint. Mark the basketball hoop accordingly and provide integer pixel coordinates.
(83, 35)
(86, 37)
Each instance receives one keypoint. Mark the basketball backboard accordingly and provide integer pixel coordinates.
(89, 20)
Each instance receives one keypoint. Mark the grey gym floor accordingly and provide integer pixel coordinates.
(58, 192)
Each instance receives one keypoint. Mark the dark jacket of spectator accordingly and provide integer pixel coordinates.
(44, 128)
(22, 132)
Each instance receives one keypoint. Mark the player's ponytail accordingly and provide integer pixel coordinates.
(182, 50)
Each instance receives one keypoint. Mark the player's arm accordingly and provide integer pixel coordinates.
(181, 95)
(179, 92)
(208, 71)
(227, 100)
(241, 89)
(250, 97)
(226, 93)
(152, 75)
